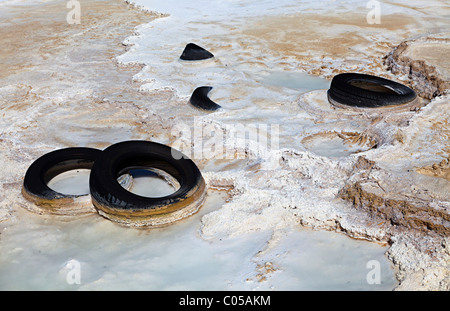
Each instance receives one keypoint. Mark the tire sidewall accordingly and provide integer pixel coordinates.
(106, 191)
(344, 93)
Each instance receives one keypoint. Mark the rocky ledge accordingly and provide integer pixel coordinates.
(415, 222)
(425, 61)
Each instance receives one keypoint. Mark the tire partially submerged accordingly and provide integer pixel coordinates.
(117, 204)
(200, 99)
(193, 52)
(35, 185)
(366, 91)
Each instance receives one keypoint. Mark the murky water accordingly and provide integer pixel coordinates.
(51, 254)
(262, 75)
(299, 81)
(152, 183)
(74, 182)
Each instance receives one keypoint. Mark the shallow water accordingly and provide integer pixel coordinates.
(252, 241)
(333, 145)
(110, 257)
(300, 81)
(148, 183)
(74, 182)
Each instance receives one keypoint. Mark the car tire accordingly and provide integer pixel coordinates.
(124, 207)
(366, 91)
(35, 184)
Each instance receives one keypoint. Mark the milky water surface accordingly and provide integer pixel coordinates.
(226, 245)
(92, 253)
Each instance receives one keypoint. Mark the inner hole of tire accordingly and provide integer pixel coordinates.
(70, 177)
(371, 86)
(148, 181)
(71, 182)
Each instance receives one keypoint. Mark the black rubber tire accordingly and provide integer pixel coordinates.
(193, 52)
(46, 167)
(388, 93)
(200, 99)
(116, 203)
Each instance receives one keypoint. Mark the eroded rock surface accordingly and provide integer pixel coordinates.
(393, 193)
(426, 63)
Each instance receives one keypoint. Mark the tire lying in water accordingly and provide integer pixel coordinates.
(200, 99)
(35, 185)
(366, 91)
(124, 207)
(193, 52)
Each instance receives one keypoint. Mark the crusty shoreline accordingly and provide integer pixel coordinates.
(90, 71)
(428, 70)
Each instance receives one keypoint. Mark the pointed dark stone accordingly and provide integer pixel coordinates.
(195, 52)
(201, 100)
